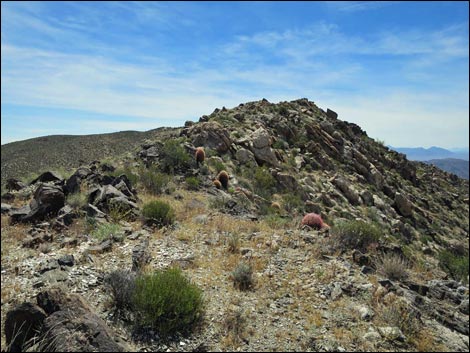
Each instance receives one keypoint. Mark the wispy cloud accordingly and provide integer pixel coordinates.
(159, 65)
(356, 6)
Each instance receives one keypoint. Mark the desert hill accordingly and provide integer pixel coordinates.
(298, 230)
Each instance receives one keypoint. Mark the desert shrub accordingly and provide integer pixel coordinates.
(275, 221)
(233, 243)
(292, 202)
(283, 110)
(235, 323)
(153, 180)
(400, 314)
(174, 157)
(355, 235)
(455, 265)
(90, 224)
(158, 212)
(167, 302)
(127, 171)
(193, 183)
(393, 266)
(77, 200)
(263, 182)
(117, 212)
(122, 286)
(107, 230)
(242, 276)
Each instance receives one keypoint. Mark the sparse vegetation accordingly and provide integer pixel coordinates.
(107, 230)
(193, 183)
(153, 180)
(158, 212)
(168, 302)
(242, 276)
(77, 200)
(454, 265)
(355, 235)
(122, 286)
(393, 266)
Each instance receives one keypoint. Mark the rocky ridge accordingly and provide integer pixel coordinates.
(310, 294)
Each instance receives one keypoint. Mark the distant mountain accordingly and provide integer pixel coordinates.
(459, 167)
(427, 154)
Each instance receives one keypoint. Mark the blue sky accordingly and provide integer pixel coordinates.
(398, 69)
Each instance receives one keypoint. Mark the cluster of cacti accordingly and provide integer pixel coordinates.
(200, 155)
(223, 179)
(315, 221)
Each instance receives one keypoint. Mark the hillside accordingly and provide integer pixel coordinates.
(452, 165)
(299, 232)
(23, 159)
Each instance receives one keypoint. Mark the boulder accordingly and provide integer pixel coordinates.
(48, 200)
(72, 325)
(331, 114)
(403, 205)
(347, 190)
(260, 145)
(244, 156)
(48, 177)
(21, 324)
(210, 134)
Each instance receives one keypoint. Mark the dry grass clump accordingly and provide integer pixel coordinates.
(393, 266)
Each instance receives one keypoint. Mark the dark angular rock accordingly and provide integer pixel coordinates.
(21, 324)
(71, 320)
(47, 177)
(48, 200)
(331, 114)
(66, 260)
(14, 184)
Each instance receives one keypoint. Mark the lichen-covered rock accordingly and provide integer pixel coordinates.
(403, 205)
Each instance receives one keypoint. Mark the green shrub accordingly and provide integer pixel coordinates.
(174, 157)
(158, 212)
(153, 180)
(167, 302)
(264, 182)
(243, 276)
(127, 171)
(108, 230)
(218, 165)
(292, 202)
(77, 200)
(193, 183)
(355, 235)
(455, 265)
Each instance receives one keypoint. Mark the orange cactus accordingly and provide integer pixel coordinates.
(200, 155)
(223, 178)
(315, 221)
(217, 184)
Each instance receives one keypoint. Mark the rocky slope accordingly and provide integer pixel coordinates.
(313, 290)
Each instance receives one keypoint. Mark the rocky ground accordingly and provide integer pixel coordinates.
(309, 293)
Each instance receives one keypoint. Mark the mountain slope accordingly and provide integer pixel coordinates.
(23, 159)
(458, 167)
(383, 267)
